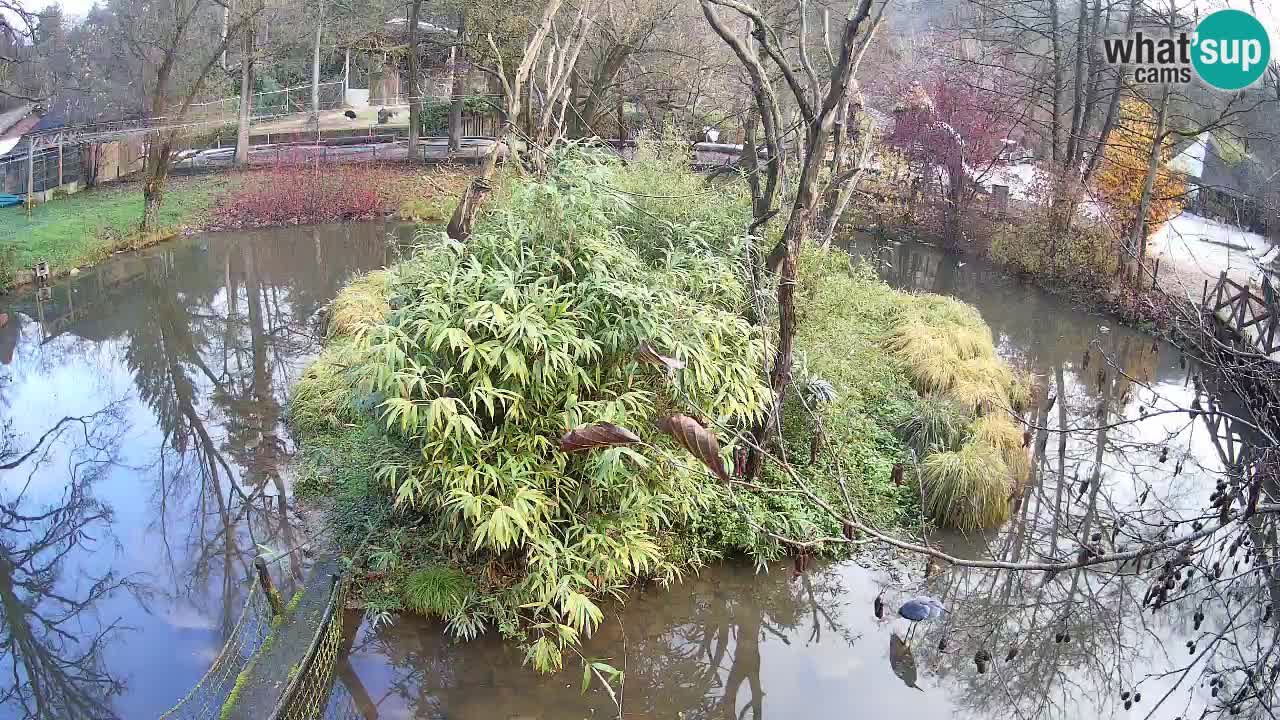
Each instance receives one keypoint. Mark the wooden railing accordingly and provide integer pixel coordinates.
(1249, 316)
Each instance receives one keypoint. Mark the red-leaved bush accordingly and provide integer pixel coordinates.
(302, 194)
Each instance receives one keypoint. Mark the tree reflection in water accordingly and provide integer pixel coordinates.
(231, 324)
(697, 650)
(51, 643)
(203, 336)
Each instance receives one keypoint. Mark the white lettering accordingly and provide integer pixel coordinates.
(1230, 52)
(1209, 50)
(1252, 54)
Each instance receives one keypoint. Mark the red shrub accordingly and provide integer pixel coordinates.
(304, 194)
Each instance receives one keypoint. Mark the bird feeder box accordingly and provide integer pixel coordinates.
(42, 270)
(44, 294)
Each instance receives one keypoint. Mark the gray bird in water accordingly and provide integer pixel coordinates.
(921, 608)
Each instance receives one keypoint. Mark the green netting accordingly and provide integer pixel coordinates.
(206, 699)
(282, 669)
(307, 695)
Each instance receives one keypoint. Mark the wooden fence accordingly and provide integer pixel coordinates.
(1248, 316)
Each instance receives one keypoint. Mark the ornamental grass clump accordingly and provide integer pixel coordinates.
(948, 349)
(950, 356)
(938, 423)
(362, 303)
(967, 488)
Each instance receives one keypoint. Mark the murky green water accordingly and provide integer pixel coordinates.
(126, 539)
(126, 536)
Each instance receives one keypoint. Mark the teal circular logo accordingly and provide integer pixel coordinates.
(1232, 49)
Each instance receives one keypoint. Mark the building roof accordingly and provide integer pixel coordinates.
(402, 24)
(9, 118)
(393, 36)
(22, 127)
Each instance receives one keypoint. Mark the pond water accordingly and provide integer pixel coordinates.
(734, 643)
(127, 536)
(127, 533)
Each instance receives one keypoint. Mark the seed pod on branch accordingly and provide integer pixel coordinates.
(599, 435)
(698, 440)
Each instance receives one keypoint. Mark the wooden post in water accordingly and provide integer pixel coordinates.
(1155, 274)
(268, 588)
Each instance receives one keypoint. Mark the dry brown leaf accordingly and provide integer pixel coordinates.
(645, 353)
(599, 435)
(698, 440)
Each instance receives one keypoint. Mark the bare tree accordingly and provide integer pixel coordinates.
(819, 104)
(169, 42)
(513, 93)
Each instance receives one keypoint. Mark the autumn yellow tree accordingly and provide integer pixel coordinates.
(1118, 183)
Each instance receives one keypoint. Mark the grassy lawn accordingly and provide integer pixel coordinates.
(86, 227)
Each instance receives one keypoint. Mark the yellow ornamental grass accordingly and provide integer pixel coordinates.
(948, 352)
(999, 432)
(967, 489)
(361, 304)
(958, 361)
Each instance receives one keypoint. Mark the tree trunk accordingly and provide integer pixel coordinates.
(837, 195)
(1077, 104)
(953, 207)
(459, 89)
(1066, 183)
(603, 77)
(1055, 122)
(415, 104)
(798, 226)
(157, 172)
(315, 70)
(1137, 230)
(246, 100)
(455, 110)
(464, 216)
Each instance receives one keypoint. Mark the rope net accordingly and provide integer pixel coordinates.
(307, 696)
(206, 698)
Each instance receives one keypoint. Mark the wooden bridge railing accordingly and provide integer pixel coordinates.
(1250, 317)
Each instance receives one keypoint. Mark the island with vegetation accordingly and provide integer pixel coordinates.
(512, 431)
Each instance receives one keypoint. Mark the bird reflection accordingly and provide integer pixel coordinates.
(903, 661)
